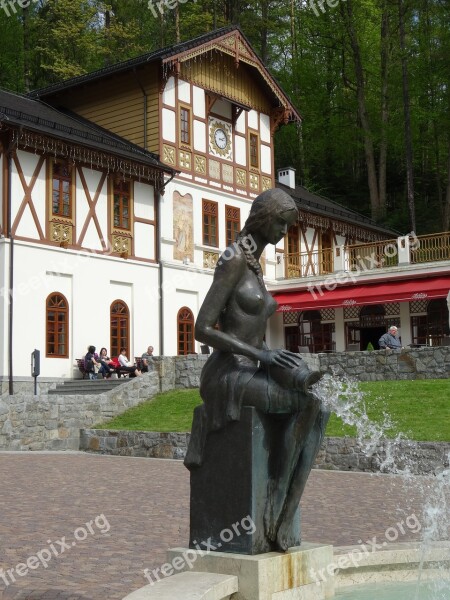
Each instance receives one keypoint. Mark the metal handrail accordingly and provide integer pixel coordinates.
(369, 256)
(431, 248)
(306, 264)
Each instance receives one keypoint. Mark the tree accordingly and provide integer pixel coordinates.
(407, 119)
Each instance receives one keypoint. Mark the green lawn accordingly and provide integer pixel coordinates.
(420, 409)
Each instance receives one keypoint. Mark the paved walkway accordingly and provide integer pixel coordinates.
(108, 518)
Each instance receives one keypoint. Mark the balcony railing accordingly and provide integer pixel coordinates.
(367, 257)
(308, 264)
(431, 248)
(371, 256)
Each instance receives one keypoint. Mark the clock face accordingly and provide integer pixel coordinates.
(220, 138)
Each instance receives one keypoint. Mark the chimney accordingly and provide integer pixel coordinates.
(286, 176)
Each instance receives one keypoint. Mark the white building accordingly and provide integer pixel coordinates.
(119, 190)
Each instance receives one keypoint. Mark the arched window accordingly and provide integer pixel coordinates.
(57, 325)
(185, 328)
(120, 328)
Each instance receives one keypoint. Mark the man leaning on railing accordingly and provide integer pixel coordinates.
(389, 340)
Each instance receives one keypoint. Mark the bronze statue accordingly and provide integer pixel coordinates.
(243, 371)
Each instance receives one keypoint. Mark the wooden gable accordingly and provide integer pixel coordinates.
(126, 99)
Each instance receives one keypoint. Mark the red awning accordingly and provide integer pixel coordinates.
(395, 291)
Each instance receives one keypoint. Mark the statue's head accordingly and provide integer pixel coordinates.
(272, 213)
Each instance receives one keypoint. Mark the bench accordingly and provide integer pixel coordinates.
(80, 365)
(120, 371)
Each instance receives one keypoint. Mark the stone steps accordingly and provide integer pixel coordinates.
(87, 386)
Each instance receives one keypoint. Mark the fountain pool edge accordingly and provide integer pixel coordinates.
(355, 565)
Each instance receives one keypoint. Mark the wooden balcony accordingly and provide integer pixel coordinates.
(402, 251)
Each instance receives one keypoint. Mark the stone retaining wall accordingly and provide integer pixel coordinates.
(46, 422)
(54, 422)
(151, 444)
(25, 385)
(342, 454)
(380, 365)
(419, 458)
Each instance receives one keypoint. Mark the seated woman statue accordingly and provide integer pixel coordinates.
(242, 371)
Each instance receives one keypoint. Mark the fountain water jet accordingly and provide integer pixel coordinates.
(342, 396)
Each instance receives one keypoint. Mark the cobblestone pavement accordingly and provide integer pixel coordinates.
(142, 508)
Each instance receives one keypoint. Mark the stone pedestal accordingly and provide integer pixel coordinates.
(303, 573)
(229, 491)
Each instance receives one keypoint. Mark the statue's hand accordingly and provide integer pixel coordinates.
(278, 358)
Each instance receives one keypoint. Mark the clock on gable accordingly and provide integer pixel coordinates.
(220, 138)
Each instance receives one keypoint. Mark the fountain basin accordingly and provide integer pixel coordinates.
(393, 591)
(395, 562)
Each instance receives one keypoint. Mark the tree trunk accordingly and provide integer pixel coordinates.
(26, 49)
(294, 51)
(362, 110)
(384, 110)
(407, 121)
(177, 23)
(446, 212)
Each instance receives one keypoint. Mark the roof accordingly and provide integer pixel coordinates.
(164, 55)
(37, 116)
(326, 207)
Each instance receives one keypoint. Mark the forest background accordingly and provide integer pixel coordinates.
(370, 78)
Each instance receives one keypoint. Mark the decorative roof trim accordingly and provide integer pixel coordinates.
(340, 227)
(241, 51)
(94, 158)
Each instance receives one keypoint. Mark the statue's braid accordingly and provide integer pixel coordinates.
(250, 258)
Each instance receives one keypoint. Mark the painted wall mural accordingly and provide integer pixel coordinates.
(183, 233)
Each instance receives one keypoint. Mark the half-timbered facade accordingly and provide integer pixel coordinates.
(121, 187)
(79, 228)
(209, 109)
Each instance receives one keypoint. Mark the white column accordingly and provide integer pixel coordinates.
(275, 331)
(279, 267)
(340, 329)
(405, 324)
(339, 259)
(448, 304)
(403, 250)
